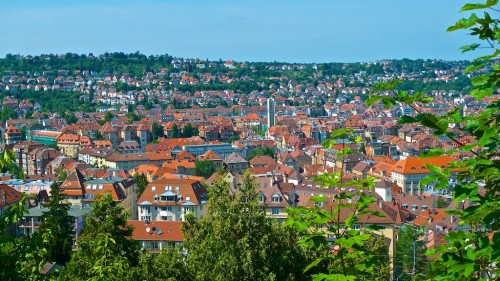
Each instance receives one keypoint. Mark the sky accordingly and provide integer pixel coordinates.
(243, 30)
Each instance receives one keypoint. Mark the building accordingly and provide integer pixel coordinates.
(156, 235)
(235, 163)
(12, 135)
(33, 219)
(123, 191)
(408, 173)
(170, 199)
(270, 112)
(22, 153)
(8, 197)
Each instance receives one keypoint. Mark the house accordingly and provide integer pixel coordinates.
(212, 156)
(12, 135)
(123, 191)
(261, 161)
(235, 163)
(153, 236)
(408, 173)
(33, 219)
(8, 197)
(170, 199)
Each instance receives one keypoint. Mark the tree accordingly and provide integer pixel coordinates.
(472, 253)
(259, 151)
(204, 168)
(168, 265)
(156, 131)
(71, 118)
(355, 253)
(57, 224)
(238, 242)
(142, 182)
(105, 248)
(108, 116)
(234, 138)
(410, 259)
(187, 131)
(175, 131)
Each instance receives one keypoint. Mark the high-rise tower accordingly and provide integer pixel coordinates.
(270, 112)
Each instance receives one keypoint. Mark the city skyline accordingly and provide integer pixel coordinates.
(283, 31)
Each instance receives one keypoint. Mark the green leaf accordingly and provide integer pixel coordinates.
(313, 264)
(468, 7)
(468, 48)
(406, 119)
(464, 23)
(433, 152)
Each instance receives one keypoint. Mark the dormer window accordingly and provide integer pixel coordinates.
(262, 198)
(319, 204)
(405, 206)
(414, 207)
(275, 198)
(423, 208)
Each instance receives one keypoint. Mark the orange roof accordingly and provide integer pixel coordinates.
(415, 165)
(158, 230)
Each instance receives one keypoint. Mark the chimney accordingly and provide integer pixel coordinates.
(452, 218)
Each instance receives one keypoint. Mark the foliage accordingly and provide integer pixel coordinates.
(204, 168)
(175, 131)
(410, 251)
(260, 151)
(472, 253)
(234, 138)
(142, 182)
(105, 248)
(57, 224)
(352, 254)
(168, 265)
(6, 114)
(156, 131)
(238, 242)
(188, 131)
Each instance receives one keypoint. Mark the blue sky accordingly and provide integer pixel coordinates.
(253, 30)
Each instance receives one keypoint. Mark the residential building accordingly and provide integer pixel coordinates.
(153, 236)
(170, 199)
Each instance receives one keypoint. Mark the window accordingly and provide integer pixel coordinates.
(423, 208)
(153, 188)
(276, 211)
(94, 186)
(405, 206)
(275, 198)
(357, 226)
(188, 198)
(100, 186)
(262, 198)
(26, 188)
(167, 208)
(88, 186)
(319, 204)
(414, 207)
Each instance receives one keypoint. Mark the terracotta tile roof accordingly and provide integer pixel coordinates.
(415, 165)
(262, 160)
(73, 185)
(158, 231)
(8, 195)
(189, 190)
(209, 155)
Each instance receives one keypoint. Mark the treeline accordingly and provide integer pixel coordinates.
(55, 101)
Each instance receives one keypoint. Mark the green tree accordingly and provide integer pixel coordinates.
(204, 168)
(105, 248)
(234, 138)
(168, 265)
(175, 131)
(411, 260)
(472, 253)
(142, 182)
(238, 242)
(187, 131)
(157, 131)
(108, 116)
(356, 254)
(71, 118)
(57, 224)
(260, 151)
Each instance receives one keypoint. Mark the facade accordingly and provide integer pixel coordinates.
(22, 152)
(408, 173)
(156, 235)
(170, 199)
(123, 191)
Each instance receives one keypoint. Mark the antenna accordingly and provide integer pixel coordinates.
(158, 231)
(148, 229)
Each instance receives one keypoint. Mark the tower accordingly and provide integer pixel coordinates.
(270, 112)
